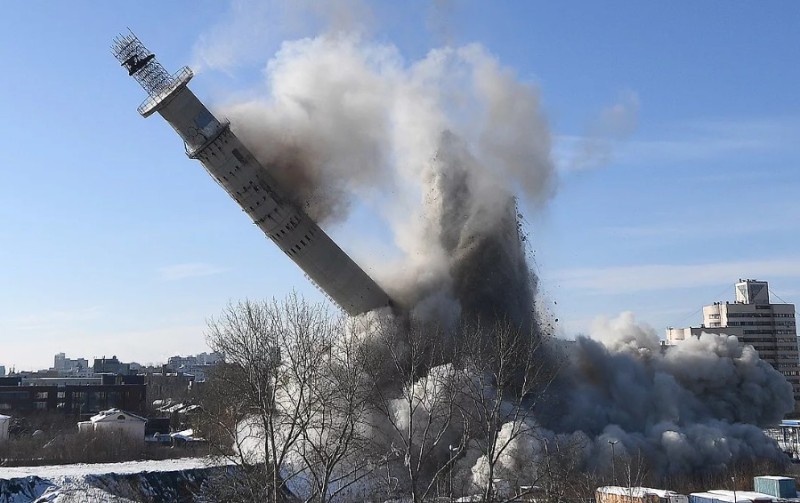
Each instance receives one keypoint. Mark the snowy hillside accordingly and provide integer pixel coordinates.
(164, 480)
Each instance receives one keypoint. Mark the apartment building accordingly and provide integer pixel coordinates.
(754, 320)
(79, 396)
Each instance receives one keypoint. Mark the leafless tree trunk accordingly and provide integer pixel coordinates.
(419, 408)
(560, 474)
(336, 447)
(293, 397)
(506, 372)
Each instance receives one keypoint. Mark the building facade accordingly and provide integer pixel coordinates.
(769, 328)
(115, 421)
(73, 396)
(196, 365)
(111, 366)
(77, 367)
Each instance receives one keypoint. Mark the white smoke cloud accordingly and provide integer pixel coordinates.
(694, 406)
(252, 28)
(438, 146)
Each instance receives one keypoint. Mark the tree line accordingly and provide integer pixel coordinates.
(312, 405)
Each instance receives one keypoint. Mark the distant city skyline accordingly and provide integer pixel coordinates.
(65, 364)
(673, 125)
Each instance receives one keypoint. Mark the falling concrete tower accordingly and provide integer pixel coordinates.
(249, 183)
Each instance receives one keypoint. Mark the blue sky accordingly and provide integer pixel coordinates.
(113, 242)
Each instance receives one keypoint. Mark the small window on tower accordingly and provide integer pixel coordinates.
(203, 119)
(238, 155)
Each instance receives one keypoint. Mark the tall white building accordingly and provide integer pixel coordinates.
(769, 328)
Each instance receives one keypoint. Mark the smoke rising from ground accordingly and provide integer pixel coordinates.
(694, 407)
(698, 407)
(440, 148)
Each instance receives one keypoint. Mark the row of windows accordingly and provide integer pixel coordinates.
(749, 323)
(756, 324)
(756, 315)
(775, 350)
(277, 214)
(760, 339)
(294, 250)
(773, 340)
(44, 395)
(243, 192)
(221, 139)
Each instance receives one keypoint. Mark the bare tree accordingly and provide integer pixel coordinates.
(505, 374)
(336, 444)
(290, 397)
(415, 395)
(560, 473)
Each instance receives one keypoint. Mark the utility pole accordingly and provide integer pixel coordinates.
(450, 471)
(613, 464)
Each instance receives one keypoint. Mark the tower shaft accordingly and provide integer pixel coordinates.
(249, 183)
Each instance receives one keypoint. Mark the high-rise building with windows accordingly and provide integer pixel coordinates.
(769, 328)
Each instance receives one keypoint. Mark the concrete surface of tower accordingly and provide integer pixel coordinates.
(236, 170)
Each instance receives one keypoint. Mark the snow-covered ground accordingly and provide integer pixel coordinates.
(84, 483)
(81, 469)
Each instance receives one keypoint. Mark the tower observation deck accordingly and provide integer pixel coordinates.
(249, 183)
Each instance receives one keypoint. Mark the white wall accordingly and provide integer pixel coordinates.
(4, 422)
(133, 428)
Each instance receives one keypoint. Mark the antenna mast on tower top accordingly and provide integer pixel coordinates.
(143, 66)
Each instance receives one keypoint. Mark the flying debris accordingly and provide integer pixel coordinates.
(249, 183)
